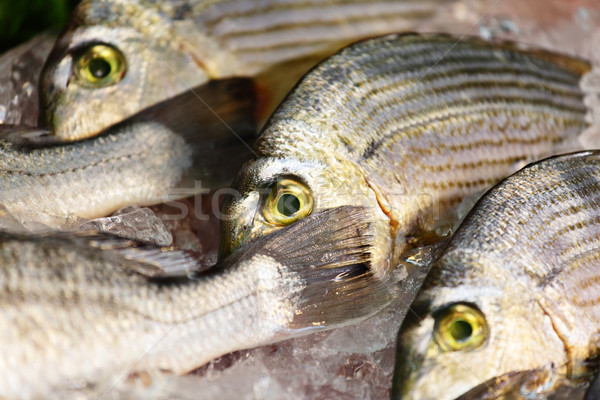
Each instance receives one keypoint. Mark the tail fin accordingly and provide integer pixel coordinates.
(330, 253)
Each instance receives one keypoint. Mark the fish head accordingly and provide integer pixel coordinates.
(114, 59)
(271, 193)
(465, 329)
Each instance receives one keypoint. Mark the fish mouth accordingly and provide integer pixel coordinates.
(240, 235)
(237, 224)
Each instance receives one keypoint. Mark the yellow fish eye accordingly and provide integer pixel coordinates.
(460, 327)
(99, 65)
(288, 202)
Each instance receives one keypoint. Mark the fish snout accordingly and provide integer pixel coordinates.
(410, 381)
(53, 85)
(235, 234)
(408, 365)
(231, 239)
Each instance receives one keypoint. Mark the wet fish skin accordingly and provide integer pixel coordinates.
(407, 126)
(172, 46)
(526, 257)
(75, 310)
(140, 161)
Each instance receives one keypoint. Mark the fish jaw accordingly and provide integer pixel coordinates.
(155, 70)
(521, 337)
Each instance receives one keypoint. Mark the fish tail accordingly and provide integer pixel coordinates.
(333, 264)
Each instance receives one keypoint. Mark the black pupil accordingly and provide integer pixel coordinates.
(288, 204)
(461, 330)
(99, 68)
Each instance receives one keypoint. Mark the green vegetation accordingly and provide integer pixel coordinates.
(22, 19)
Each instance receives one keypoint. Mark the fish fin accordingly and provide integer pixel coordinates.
(28, 137)
(164, 262)
(132, 222)
(214, 119)
(504, 386)
(330, 254)
(148, 260)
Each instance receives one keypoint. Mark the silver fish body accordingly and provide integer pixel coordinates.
(406, 126)
(152, 51)
(75, 311)
(515, 289)
(94, 178)
(141, 161)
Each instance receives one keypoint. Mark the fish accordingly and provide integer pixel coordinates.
(514, 289)
(117, 57)
(165, 152)
(87, 310)
(406, 126)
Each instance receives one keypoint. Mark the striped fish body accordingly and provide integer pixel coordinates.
(55, 186)
(171, 46)
(407, 126)
(527, 258)
(145, 160)
(78, 316)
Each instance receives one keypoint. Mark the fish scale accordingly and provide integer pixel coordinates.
(558, 196)
(538, 230)
(283, 25)
(413, 124)
(397, 104)
(52, 185)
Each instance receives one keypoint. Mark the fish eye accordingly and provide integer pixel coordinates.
(99, 65)
(288, 201)
(460, 327)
